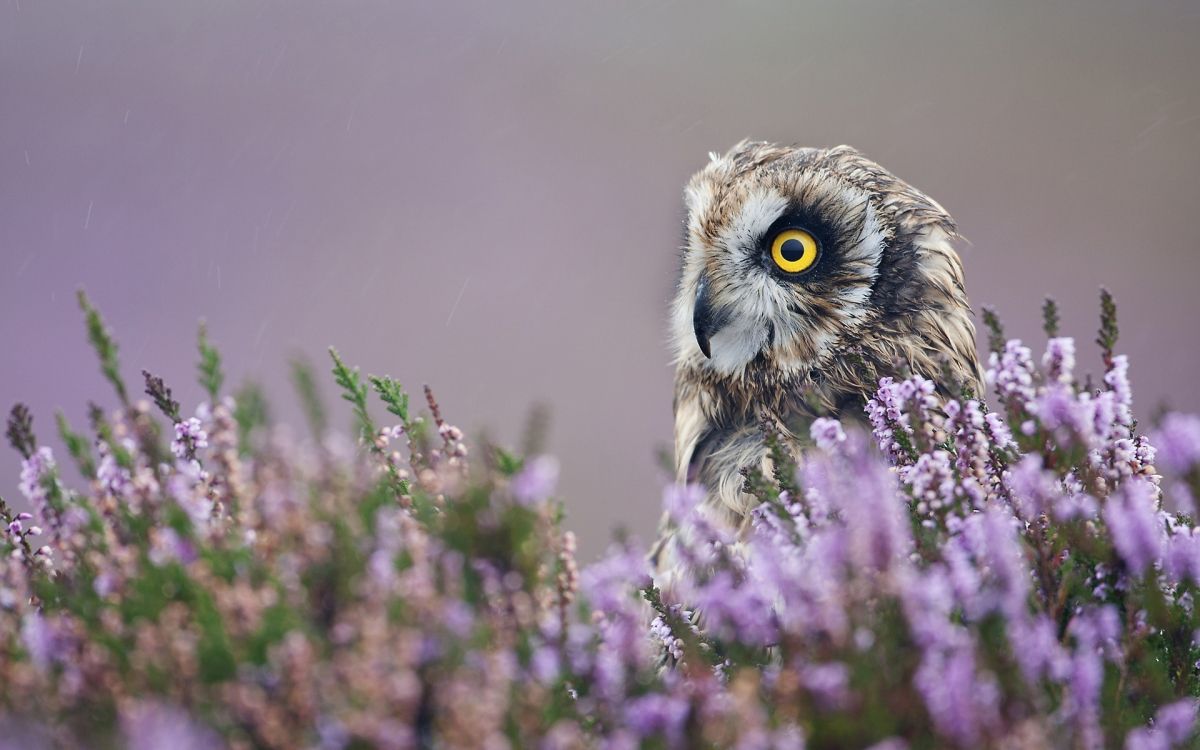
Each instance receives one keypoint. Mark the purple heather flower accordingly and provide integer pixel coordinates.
(620, 739)
(1177, 498)
(168, 546)
(973, 441)
(998, 430)
(1144, 738)
(1177, 720)
(1059, 360)
(886, 412)
(545, 664)
(1036, 648)
(608, 671)
(657, 715)
(1145, 453)
(1103, 414)
(827, 433)
(1178, 443)
(1135, 524)
(612, 583)
(931, 479)
(39, 640)
(105, 584)
(681, 501)
(896, 407)
(458, 618)
(189, 438)
(331, 733)
(702, 536)
(152, 725)
(929, 601)
(1172, 726)
(1183, 555)
(36, 471)
(1085, 679)
(1117, 380)
(1011, 373)
(1034, 491)
(962, 703)
(860, 488)
(806, 582)
(991, 538)
(1058, 408)
(536, 481)
(381, 566)
(920, 393)
(114, 478)
(790, 737)
(187, 486)
(734, 610)
(661, 632)
(828, 684)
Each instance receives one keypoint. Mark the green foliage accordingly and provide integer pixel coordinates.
(783, 464)
(77, 445)
(208, 368)
(305, 384)
(105, 347)
(1106, 338)
(507, 463)
(355, 392)
(995, 329)
(393, 396)
(1050, 317)
(20, 431)
(160, 394)
(251, 414)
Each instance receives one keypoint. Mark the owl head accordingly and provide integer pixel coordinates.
(794, 255)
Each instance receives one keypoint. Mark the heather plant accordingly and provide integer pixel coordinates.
(944, 572)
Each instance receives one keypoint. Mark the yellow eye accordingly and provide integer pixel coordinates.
(794, 250)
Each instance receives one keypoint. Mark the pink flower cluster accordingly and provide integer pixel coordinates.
(953, 576)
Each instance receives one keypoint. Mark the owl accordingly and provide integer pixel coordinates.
(806, 275)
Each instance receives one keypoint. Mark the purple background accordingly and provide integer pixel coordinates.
(486, 197)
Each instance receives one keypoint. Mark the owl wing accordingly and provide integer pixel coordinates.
(692, 429)
(712, 455)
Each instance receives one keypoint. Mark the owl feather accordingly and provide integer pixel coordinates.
(806, 275)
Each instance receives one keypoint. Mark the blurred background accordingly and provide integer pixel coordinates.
(486, 196)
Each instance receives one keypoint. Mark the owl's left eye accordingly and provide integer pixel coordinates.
(794, 250)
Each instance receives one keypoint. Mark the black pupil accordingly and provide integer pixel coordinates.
(792, 250)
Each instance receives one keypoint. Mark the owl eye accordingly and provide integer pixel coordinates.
(794, 250)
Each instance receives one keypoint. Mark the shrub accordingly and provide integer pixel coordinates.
(957, 576)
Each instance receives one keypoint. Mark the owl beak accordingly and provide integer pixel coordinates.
(704, 319)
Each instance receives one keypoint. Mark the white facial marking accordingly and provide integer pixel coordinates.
(755, 297)
(759, 211)
(735, 345)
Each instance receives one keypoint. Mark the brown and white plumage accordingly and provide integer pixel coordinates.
(753, 340)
